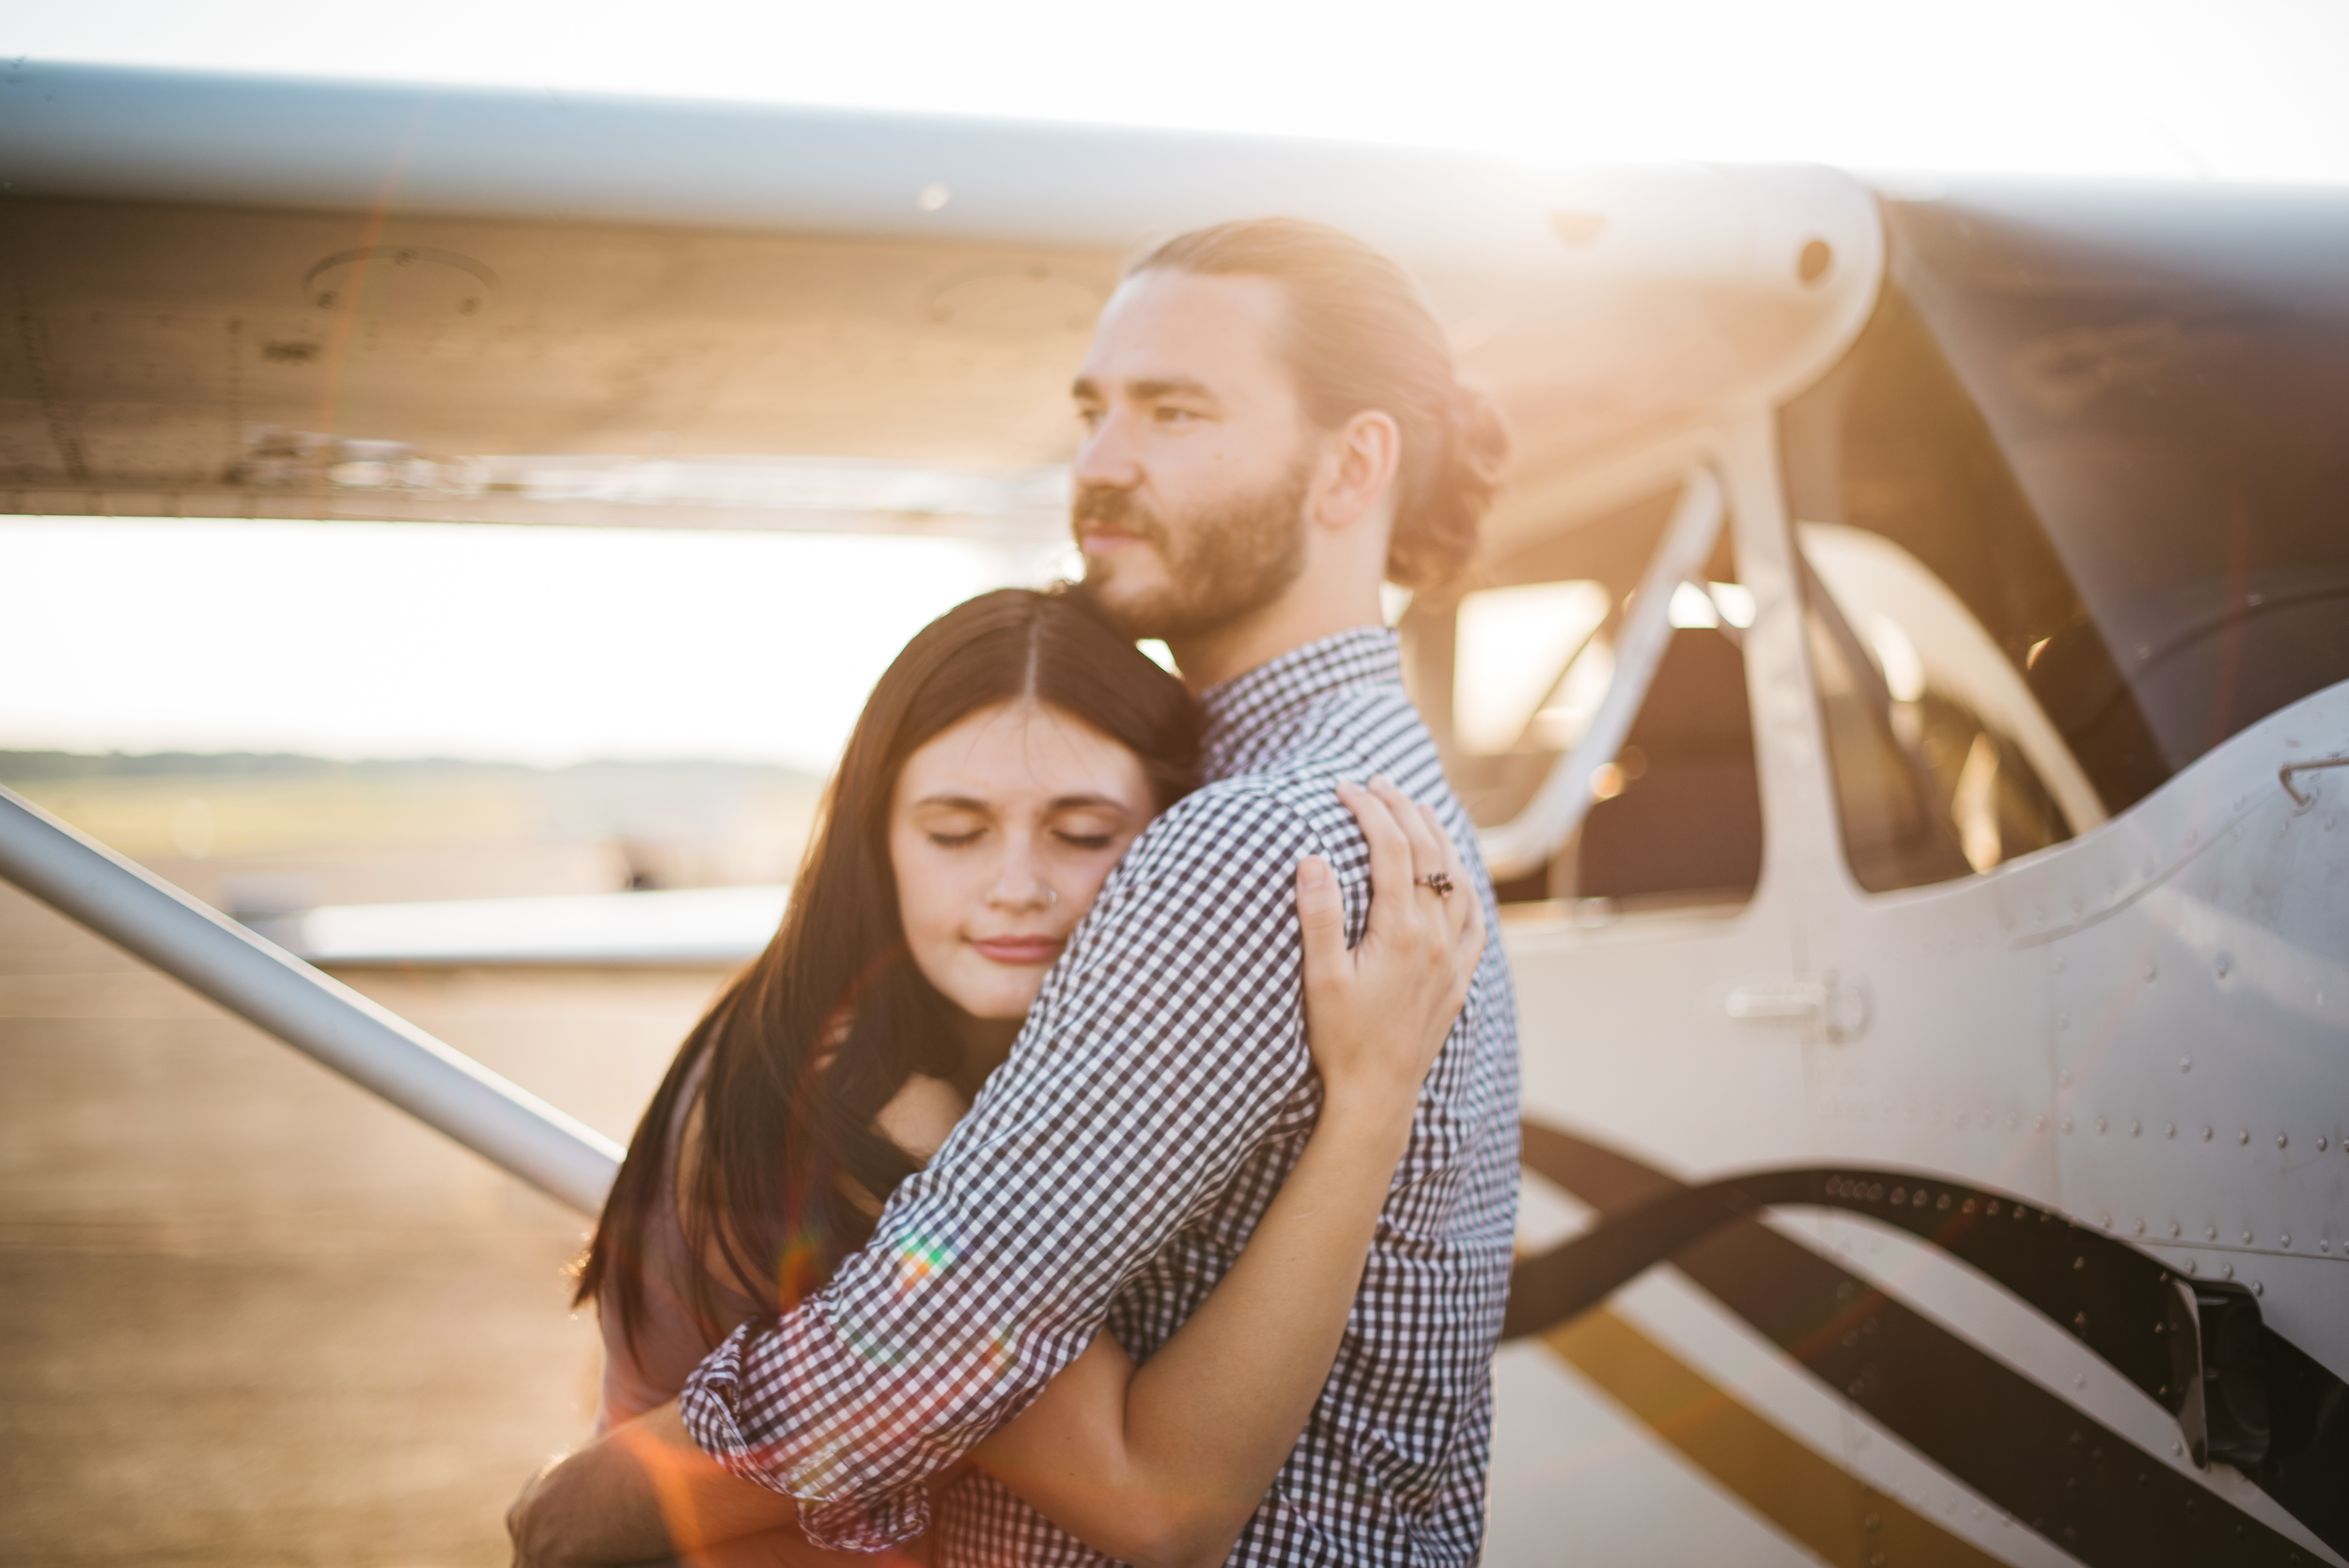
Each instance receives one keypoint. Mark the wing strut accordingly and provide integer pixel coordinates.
(318, 1015)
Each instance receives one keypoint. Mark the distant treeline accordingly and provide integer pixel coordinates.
(41, 767)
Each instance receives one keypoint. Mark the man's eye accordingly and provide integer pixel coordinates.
(1173, 416)
(956, 841)
(1087, 840)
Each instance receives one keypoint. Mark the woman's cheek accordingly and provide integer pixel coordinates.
(927, 906)
(1097, 873)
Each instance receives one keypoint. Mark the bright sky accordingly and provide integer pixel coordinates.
(389, 640)
(556, 643)
(2233, 89)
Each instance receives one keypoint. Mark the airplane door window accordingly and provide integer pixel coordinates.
(2110, 425)
(1516, 669)
(1941, 760)
(1973, 710)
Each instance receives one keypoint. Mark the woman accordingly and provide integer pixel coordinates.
(1003, 764)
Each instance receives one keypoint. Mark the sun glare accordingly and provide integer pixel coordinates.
(2164, 89)
(547, 645)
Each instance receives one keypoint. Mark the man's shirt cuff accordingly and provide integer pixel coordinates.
(843, 1524)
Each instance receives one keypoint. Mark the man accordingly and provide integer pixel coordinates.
(1272, 427)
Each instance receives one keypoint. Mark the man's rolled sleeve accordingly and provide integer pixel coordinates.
(869, 1525)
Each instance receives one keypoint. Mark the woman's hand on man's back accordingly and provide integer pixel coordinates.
(1378, 1013)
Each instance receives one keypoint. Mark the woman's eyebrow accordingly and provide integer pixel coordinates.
(1087, 802)
(1083, 801)
(954, 802)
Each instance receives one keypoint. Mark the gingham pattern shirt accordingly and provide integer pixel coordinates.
(1113, 1168)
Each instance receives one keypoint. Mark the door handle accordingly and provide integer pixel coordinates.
(1801, 1002)
(1841, 1008)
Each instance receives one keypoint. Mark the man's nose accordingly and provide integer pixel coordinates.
(1106, 456)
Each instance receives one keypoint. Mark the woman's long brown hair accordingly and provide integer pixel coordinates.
(787, 1109)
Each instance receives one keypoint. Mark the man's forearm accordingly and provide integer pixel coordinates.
(639, 1493)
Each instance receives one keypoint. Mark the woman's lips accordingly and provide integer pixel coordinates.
(1020, 950)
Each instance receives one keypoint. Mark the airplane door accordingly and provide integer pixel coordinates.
(1625, 1434)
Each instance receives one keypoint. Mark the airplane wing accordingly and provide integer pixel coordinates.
(262, 296)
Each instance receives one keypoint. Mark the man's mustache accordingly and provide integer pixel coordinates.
(1107, 507)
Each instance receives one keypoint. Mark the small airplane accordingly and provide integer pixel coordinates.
(1905, 696)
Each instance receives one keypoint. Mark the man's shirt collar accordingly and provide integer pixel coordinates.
(1244, 707)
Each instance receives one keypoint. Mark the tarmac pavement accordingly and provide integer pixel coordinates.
(249, 1314)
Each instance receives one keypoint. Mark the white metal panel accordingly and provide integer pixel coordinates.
(1577, 1480)
(2202, 1018)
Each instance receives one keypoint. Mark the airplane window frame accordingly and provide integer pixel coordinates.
(1674, 552)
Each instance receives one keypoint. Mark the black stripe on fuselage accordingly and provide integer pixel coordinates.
(2034, 1454)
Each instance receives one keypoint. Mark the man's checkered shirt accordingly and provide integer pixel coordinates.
(1113, 1168)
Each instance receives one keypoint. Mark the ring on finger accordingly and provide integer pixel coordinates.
(1437, 883)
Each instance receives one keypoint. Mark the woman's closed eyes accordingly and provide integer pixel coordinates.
(1092, 843)
(1089, 827)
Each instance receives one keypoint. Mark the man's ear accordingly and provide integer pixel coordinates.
(1359, 463)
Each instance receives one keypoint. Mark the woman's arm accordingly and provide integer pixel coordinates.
(1162, 1466)
(642, 1495)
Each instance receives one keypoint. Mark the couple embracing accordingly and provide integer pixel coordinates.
(1113, 1156)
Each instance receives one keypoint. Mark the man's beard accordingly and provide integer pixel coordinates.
(1223, 563)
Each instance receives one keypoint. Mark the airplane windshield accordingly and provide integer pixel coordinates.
(2114, 425)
